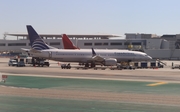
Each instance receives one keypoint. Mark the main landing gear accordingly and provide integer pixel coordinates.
(91, 65)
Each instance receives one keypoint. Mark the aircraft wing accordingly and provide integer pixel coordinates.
(97, 58)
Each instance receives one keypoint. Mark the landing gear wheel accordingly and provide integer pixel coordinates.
(93, 65)
(87, 65)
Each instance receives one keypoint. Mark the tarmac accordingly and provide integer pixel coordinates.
(45, 89)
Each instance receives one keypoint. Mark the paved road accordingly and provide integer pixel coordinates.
(165, 74)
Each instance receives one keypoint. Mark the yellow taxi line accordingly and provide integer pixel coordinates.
(157, 84)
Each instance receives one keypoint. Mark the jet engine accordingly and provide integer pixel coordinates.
(110, 62)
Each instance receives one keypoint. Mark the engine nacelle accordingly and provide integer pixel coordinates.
(110, 62)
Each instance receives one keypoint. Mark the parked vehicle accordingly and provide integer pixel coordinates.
(176, 66)
(66, 66)
(21, 64)
(39, 62)
(12, 63)
(44, 63)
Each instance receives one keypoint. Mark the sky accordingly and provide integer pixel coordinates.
(90, 16)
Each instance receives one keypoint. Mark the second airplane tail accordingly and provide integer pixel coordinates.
(67, 42)
(37, 43)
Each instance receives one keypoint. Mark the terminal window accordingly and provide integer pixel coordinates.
(2, 44)
(116, 43)
(105, 43)
(126, 43)
(136, 43)
(55, 43)
(97, 44)
(17, 44)
(88, 44)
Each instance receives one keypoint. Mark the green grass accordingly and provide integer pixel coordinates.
(91, 85)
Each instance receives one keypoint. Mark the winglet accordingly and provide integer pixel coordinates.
(93, 52)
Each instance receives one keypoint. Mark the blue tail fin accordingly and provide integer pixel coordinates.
(36, 41)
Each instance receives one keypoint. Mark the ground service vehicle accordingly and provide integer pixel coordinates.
(12, 63)
(176, 66)
(39, 62)
(66, 66)
(44, 63)
(21, 64)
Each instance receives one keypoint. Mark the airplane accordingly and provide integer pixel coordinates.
(106, 57)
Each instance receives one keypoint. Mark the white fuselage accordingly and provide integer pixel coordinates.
(85, 55)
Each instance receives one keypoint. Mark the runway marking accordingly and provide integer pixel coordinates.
(157, 84)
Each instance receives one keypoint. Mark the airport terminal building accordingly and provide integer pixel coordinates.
(158, 47)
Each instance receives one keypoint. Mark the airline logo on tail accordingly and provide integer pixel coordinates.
(39, 44)
(67, 42)
(36, 41)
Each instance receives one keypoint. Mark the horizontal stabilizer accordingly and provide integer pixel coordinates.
(35, 51)
(24, 49)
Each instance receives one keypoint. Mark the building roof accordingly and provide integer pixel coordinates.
(168, 36)
(69, 35)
